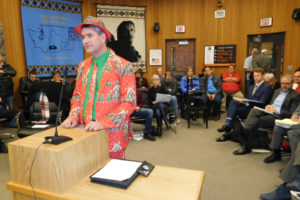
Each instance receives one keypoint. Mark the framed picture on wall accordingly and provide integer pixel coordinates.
(127, 26)
(155, 57)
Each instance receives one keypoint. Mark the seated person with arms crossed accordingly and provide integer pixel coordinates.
(231, 84)
(282, 105)
(260, 91)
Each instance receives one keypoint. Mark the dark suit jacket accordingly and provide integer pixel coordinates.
(290, 103)
(261, 94)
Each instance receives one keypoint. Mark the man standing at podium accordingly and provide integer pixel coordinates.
(105, 91)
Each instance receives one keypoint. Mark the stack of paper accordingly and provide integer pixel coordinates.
(287, 123)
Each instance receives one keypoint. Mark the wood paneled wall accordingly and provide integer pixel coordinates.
(242, 19)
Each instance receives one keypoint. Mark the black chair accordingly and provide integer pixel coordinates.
(35, 115)
(196, 102)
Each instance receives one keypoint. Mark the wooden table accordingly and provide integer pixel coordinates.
(163, 183)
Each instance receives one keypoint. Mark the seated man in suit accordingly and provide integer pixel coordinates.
(290, 174)
(147, 113)
(260, 91)
(282, 105)
(277, 138)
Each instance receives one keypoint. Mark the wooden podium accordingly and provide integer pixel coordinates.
(61, 172)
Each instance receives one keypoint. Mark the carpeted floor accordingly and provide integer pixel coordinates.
(228, 177)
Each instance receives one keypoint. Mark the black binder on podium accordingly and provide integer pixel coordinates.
(136, 168)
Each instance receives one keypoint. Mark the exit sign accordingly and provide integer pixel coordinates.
(265, 22)
(180, 29)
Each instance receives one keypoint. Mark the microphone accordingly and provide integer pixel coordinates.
(56, 139)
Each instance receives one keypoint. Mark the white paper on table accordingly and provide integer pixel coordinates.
(40, 126)
(118, 170)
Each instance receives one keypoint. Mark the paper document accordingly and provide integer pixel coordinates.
(261, 109)
(118, 170)
(40, 126)
(287, 123)
(249, 100)
(163, 97)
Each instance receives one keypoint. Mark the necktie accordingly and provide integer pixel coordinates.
(256, 86)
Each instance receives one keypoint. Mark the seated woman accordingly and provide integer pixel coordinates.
(141, 82)
(157, 107)
(190, 86)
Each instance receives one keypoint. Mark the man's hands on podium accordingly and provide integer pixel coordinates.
(70, 122)
(93, 126)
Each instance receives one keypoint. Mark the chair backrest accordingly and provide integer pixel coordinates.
(35, 110)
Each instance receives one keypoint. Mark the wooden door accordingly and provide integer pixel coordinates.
(180, 53)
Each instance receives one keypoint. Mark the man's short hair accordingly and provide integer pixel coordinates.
(288, 76)
(269, 76)
(169, 73)
(98, 30)
(259, 70)
(297, 70)
(56, 72)
(32, 72)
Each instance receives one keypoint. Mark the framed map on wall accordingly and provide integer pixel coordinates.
(50, 40)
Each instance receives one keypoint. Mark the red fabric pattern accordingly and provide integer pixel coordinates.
(231, 87)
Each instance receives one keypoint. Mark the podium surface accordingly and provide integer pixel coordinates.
(62, 171)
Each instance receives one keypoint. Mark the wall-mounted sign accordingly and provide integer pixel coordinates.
(265, 22)
(219, 54)
(183, 42)
(180, 29)
(219, 14)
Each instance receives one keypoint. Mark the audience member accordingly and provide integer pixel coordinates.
(264, 52)
(6, 82)
(142, 83)
(157, 107)
(290, 174)
(258, 92)
(231, 84)
(159, 72)
(147, 113)
(213, 92)
(248, 68)
(277, 138)
(25, 85)
(170, 86)
(296, 85)
(270, 79)
(262, 61)
(190, 86)
(283, 103)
